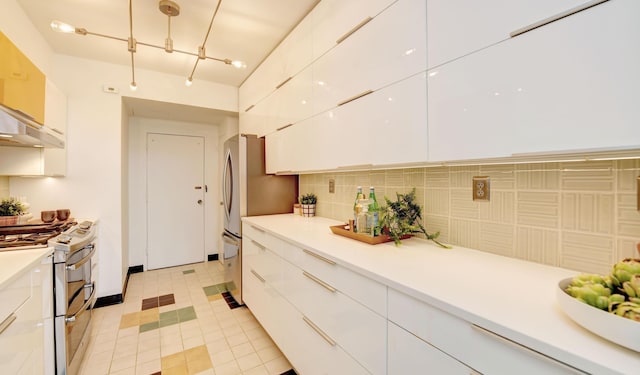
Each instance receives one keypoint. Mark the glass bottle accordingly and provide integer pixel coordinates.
(374, 214)
(357, 208)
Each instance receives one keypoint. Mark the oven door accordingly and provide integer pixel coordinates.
(75, 296)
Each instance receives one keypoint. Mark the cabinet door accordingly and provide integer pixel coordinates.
(567, 86)
(358, 330)
(334, 19)
(476, 347)
(386, 127)
(407, 354)
(293, 54)
(22, 84)
(312, 351)
(389, 48)
(459, 27)
(289, 104)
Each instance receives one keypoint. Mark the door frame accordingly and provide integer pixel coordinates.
(136, 231)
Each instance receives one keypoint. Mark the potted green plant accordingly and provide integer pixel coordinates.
(10, 209)
(404, 217)
(308, 202)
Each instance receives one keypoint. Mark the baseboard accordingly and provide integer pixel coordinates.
(135, 269)
(108, 301)
(118, 298)
(211, 257)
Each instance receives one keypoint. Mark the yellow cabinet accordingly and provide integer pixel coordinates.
(22, 84)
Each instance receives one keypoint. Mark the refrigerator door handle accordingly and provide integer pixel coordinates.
(226, 238)
(227, 185)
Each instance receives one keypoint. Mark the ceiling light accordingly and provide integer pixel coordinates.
(170, 9)
(62, 27)
(133, 86)
(6, 136)
(38, 146)
(188, 82)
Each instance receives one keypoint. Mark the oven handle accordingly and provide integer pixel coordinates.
(84, 307)
(76, 265)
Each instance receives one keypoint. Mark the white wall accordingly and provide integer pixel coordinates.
(138, 130)
(93, 187)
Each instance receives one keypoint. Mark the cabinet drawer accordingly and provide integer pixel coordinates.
(408, 353)
(263, 261)
(476, 347)
(265, 239)
(356, 328)
(311, 351)
(360, 288)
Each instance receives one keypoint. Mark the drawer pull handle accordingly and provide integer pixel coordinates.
(364, 93)
(356, 166)
(249, 107)
(258, 229)
(319, 331)
(284, 82)
(317, 256)
(355, 28)
(556, 17)
(258, 276)
(322, 283)
(283, 127)
(258, 245)
(7, 322)
(514, 344)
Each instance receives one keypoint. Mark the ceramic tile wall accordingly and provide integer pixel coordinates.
(4, 187)
(577, 215)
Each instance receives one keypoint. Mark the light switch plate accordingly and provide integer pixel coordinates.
(332, 185)
(480, 188)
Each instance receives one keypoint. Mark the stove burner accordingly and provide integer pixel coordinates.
(30, 235)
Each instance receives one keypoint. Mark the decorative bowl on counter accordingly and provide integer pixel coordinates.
(622, 331)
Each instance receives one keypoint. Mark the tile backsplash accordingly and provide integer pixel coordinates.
(576, 215)
(4, 187)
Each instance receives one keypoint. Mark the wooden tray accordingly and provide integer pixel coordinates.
(342, 231)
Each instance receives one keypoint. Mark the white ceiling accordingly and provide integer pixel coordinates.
(246, 30)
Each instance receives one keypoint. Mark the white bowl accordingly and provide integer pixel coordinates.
(622, 331)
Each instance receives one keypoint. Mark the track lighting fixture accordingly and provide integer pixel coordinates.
(170, 9)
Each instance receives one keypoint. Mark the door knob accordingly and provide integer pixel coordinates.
(199, 201)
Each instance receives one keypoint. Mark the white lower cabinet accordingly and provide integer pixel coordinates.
(24, 315)
(407, 354)
(568, 86)
(318, 327)
(476, 347)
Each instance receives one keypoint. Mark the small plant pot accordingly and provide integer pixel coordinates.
(8, 220)
(308, 210)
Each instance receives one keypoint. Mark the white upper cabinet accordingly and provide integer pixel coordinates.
(389, 48)
(388, 126)
(289, 104)
(55, 110)
(459, 27)
(289, 58)
(570, 85)
(333, 20)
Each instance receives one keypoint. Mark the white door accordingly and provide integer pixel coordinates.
(175, 206)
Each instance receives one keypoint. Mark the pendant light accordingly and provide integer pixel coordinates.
(170, 9)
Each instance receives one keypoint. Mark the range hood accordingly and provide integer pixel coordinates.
(18, 130)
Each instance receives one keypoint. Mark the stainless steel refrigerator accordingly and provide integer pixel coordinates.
(248, 191)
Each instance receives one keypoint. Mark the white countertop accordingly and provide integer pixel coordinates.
(510, 297)
(14, 263)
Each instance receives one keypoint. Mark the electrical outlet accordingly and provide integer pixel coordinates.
(332, 185)
(481, 189)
